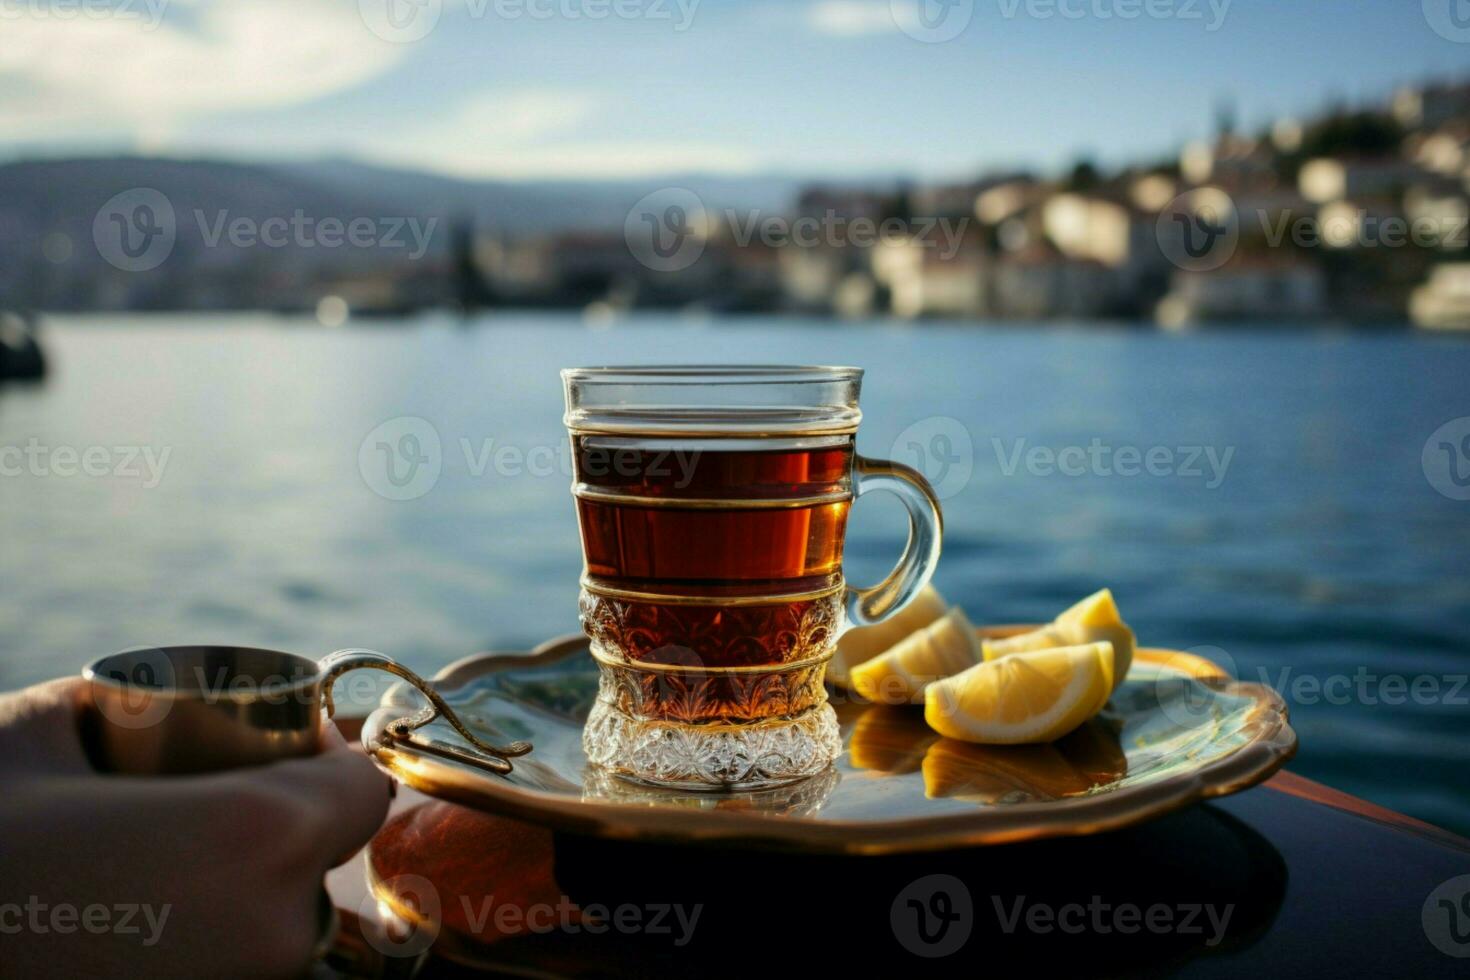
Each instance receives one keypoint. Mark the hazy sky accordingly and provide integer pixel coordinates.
(546, 88)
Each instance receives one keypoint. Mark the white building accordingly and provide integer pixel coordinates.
(1432, 105)
(1244, 290)
(1114, 234)
(943, 200)
(1231, 161)
(810, 275)
(1153, 192)
(1040, 284)
(1360, 224)
(1445, 217)
(1331, 179)
(1005, 201)
(1443, 303)
(1446, 152)
(1090, 228)
(924, 280)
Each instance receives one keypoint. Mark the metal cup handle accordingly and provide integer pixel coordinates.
(493, 757)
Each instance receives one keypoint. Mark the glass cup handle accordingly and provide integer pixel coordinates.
(920, 555)
(496, 758)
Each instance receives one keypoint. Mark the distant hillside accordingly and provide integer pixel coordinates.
(539, 205)
(59, 189)
(47, 208)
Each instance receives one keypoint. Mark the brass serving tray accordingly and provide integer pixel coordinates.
(1178, 730)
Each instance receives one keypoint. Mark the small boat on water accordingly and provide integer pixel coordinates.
(21, 357)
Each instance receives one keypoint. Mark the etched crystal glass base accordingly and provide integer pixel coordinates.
(799, 798)
(712, 694)
(710, 755)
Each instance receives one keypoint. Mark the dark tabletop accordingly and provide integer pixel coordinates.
(1291, 878)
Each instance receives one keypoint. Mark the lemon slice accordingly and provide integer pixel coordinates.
(943, 648)
(1013, 700)
(863, 643)
(1092, 620)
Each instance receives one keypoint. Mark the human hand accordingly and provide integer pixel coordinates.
(217, 875)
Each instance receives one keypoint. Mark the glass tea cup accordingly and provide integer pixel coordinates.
(713, 505)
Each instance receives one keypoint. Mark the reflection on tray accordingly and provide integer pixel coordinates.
(896, 741)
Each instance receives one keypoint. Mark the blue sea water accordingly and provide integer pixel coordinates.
(1261, 495)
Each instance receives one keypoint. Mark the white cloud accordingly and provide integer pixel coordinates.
(851, 18)
(170, 89)
(534, 133)
(514, 117)
(599, 159)
(64, 77)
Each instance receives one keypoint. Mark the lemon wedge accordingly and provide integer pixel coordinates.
(1021, 700)
(1092, 620)
(865, 642)
(943, 648)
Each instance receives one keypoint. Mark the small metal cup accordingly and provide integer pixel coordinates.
(192, 709)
